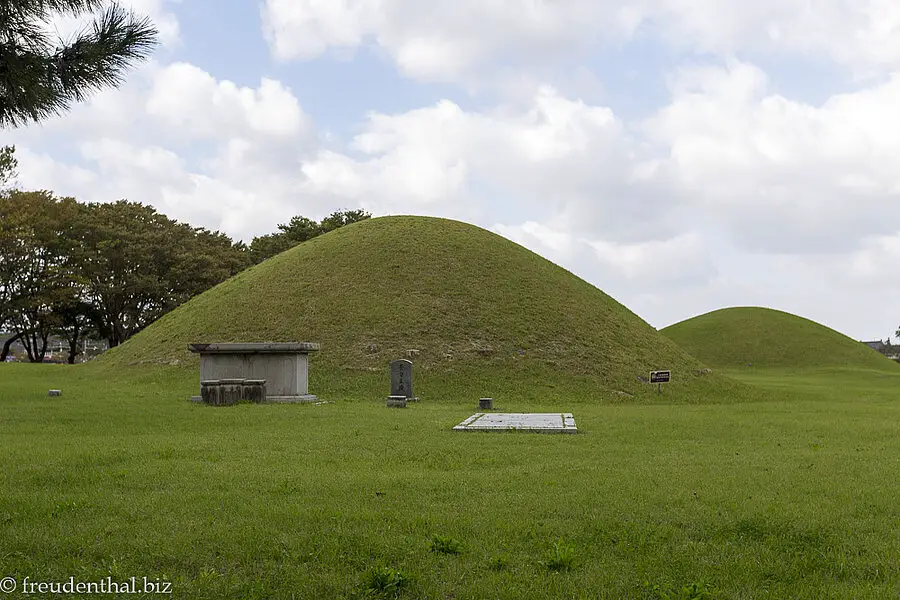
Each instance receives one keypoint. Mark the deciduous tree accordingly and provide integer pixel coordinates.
(300, 229)
(36, 268)
(104, 269)
(139, 265)
(8, 167)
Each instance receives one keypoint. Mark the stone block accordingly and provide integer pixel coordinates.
(210, 392)
(396, 402)
(254, 391)
(232, 390)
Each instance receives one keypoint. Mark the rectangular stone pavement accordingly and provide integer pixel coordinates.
(538, 422)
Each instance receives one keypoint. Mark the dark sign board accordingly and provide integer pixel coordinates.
(660, 376)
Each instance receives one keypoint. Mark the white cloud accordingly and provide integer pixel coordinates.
(441, 39)
(660, 263)
(861, 34)
(782, 175)
(159, 11)
(110, 154)
(652, 266)
(872, 266)
(41, 171)
(191, 101)
(454, 40)
(203, 151)
(573, 162)
(306, 29)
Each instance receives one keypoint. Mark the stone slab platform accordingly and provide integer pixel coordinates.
(256, 348)
(302, 399)
(537, 422)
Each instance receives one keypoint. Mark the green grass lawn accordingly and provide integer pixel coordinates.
(793, 495)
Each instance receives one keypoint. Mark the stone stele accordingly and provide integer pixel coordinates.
(402, 379)
(284, 366)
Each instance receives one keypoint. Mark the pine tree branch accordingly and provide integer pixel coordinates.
(98, 58)
(37, 82)
(44, 9)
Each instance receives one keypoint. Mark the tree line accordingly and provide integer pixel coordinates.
(107, 270)
(99, 270)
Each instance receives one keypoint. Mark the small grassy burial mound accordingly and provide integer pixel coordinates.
(467, 306)
(762, 337)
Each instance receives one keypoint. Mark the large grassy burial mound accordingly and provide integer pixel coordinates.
(762, 337)
(455, 298)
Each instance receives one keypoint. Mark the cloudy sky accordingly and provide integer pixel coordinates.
(681, 155)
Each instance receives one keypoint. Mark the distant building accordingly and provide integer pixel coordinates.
(57, 349)
(885, 348)
(877, 345)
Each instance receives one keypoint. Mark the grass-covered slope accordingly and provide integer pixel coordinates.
(762, 337)
(464, 297)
